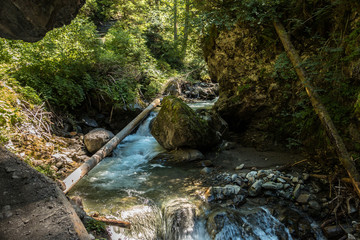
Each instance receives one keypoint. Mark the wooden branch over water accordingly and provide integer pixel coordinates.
(81, 171)
(319, 107)
(113, 222)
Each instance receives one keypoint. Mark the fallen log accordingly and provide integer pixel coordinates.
(319, 107)
(81, 171)
(113, 222)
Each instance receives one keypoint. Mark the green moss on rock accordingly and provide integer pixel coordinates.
(178, 126)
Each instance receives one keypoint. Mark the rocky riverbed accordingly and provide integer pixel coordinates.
(309, 204)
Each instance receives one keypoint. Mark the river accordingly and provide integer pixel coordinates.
(164, 202)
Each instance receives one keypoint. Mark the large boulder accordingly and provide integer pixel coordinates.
(178, 126)
(32, 206)
(30, 20)
(97, 138)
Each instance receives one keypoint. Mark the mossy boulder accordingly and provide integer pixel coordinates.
(178, 126)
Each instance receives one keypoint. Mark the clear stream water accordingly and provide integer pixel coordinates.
(162, 202)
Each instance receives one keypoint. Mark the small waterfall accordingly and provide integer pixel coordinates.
(144, 128)
(181, 221)
(145, 224)
(252, 224)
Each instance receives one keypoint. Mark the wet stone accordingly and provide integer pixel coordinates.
(231, 190)
(251, 176)
(234, 177)
(255, 189)
(263, 173)
(219, 193)
(296, 191)
(280, 180)
(273, 186)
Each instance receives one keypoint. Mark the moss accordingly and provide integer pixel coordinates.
(177, 125)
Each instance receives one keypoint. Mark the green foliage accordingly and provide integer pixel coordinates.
(94, 225)
(58, 65)
(46, 170)
(131, 70)
(162, 49)
(127, 63)
(283, 68)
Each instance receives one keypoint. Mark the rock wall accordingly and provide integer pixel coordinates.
(260, 95)
(30, 20)
(241, 62)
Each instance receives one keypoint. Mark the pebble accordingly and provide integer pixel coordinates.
(241, 166)
(281, 180)
(295, 180)
(296, 191)
(255, 189)
(234, 177)
(273, 186)
(263, 173)
(251, 176)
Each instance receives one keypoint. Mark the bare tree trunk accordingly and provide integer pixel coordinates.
(113, 222)
(186, 28)
(319, 108)
(175, 21)
(81, 171)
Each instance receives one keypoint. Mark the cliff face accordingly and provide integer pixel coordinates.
(260, 95)
(30, 20)
(242, 63)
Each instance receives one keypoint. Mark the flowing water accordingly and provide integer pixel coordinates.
(163, 202)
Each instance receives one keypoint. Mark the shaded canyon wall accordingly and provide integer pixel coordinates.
(260, 95)
(30, 20)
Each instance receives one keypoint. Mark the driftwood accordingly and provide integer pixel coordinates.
(319, 108)
(289, 165)
(113, 222)
(81, 171)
